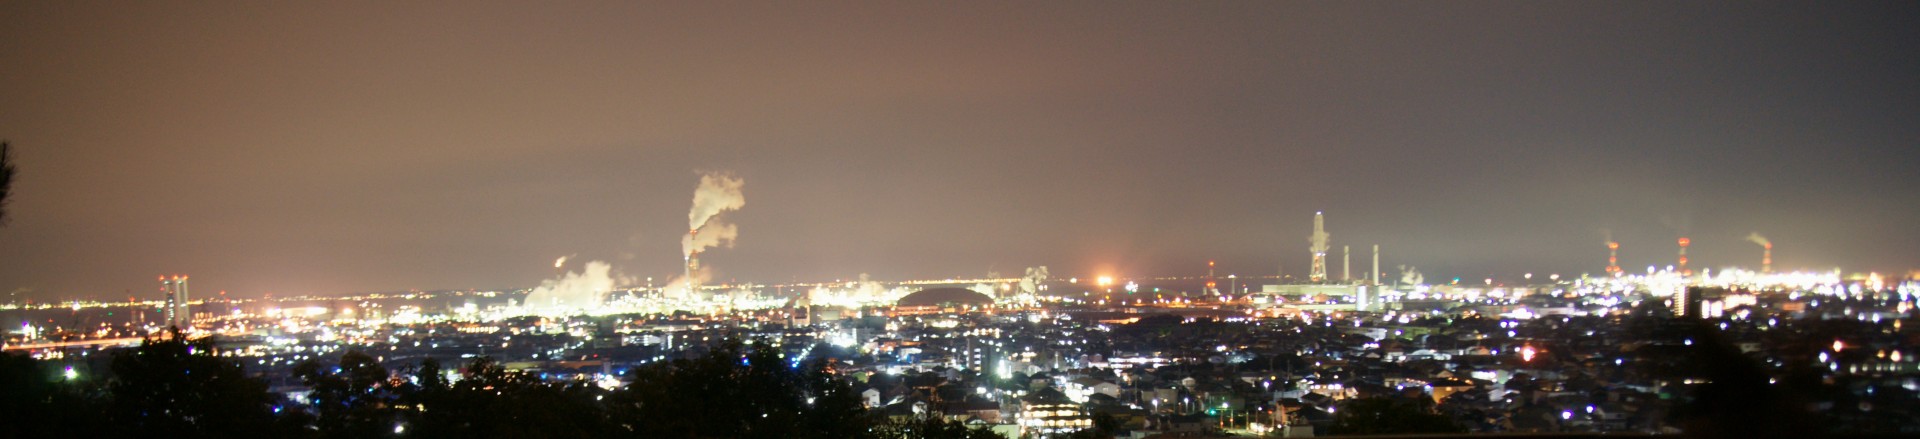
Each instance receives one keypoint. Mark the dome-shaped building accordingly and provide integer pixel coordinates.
(933, 300)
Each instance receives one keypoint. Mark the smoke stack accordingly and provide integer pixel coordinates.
(1766, 259)
(1613, 257)
(1376, 265)
(1683, 257)
(1211, 284)
(1766, 251)
(693, 262)
(718, 192)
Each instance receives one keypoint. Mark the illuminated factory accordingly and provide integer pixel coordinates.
(177, 312)
(1362, 294)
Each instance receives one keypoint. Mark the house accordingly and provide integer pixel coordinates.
(1444, 387)
(1080, 388)
(971, 410)
(1048, 411)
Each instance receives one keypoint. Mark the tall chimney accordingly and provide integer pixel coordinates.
(1376, 264)
(1766, 259)
(693, 263)
(1683, 257)
(1613, 257)
(1318, 249)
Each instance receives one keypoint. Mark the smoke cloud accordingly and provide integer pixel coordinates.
(680, 287)
(1757, 239)
(1030, 284)
(1411, 276)
(869, 288)
(986, 289)
(853, 294)
(718, 192)
(717, 233)
(574, 290)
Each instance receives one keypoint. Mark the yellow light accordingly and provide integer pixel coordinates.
(1104, 280)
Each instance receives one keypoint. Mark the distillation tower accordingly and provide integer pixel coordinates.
(1319, 248)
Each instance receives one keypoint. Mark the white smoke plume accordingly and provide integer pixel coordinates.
(820, 296)
(853, 294)
(573, 290)
(717, 233)
(869, 289)
(1757, 239)
(1411, 276)
(1030, 284)
(986, 289)
(738, 295)
(718, 192)
(679, 286)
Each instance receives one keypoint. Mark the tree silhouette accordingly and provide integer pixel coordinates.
(491, 401)
(6, 180)
(173, 387)
(35, 404)
(835, 408)
(1104, 426)
(932, 427)
(740, 392)
(430, 375)
(730, 392)
(1374, 416)
(352, 401)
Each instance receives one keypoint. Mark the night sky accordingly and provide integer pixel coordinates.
(334, 147)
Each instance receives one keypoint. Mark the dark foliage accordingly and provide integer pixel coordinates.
(178, 388)
(6, 180)
(354, 400)
(931, 428)
(1104, 426)
(34, 402)
(1374, 416)
(738, 392)
(174, 387)
(491, 401)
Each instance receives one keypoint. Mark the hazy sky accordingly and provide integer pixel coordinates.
(332, 147)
